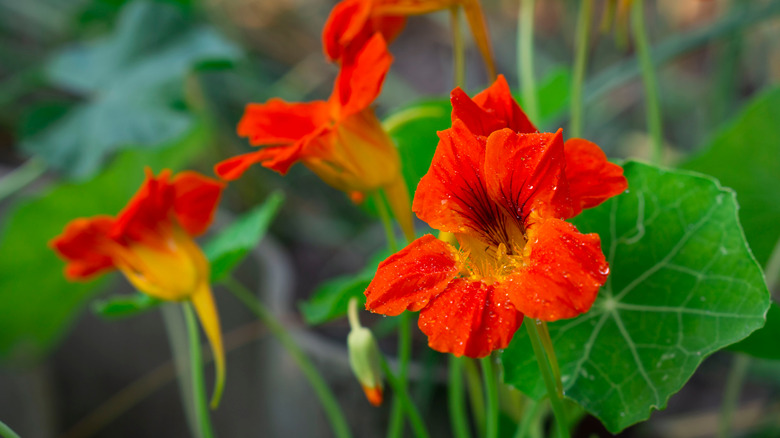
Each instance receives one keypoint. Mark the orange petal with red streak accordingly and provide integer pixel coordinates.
(592, 179)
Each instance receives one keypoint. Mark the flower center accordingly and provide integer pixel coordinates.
(492, 258)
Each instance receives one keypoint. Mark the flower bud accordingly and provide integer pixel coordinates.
(364, 357)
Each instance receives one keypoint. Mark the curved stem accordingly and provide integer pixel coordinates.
(580, 62)
(405, 402)
(552, 389)
(525, 58)
(544, 335)
(203, 418)
(387, 223)
(731, 396)
(404, 356)
(458, 414)
(653, 106)
(22, 176)
(324, 394)
(458, 49)
(491, 397)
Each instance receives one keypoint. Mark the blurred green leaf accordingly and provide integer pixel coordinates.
(683, 284)
(330, 300)
(745, 156)
(413, 128)
(38, 303)
(123, 306)
(133, 84)
(231, 245)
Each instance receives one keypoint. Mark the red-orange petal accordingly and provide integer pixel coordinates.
(452, 196)
(279, 122)
(408, 279)
(195, 200)
(498, 101)
(592, 179)
(470, 318)
(564, 271)
(84, 245)
(360, 82)
(146, 216)
(525, 173)
(351, 24)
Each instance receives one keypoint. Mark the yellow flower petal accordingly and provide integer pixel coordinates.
(203, 301)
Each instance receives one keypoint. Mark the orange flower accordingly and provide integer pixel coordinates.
(503, 189)
(341, 139)
(353, 22)
(151, 243)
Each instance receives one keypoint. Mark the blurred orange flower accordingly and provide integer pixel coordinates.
(151, 243)
(353, 22)
(503, 189)
(341, 139)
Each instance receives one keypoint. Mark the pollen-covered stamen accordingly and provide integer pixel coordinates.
(488, 262)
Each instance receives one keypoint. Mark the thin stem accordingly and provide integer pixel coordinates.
(404, 356)
(324, 394)
(653, 106)
(525, 58)
(491, 397)
(387, 223)
(552, 391)
(21, 177)
(475, 394)
(7, 432)
(530, 416)
(458, 49)
(580, 62)
(772, 270)
(731, 396)
(544, 335)
(401, 394)
(455, 400)
(196, 372)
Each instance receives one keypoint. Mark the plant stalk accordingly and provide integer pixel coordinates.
(584, 18)
(455, 399)
(202, 415)
(552, 388)
(525, 58)
(653, 106)
(491, 397)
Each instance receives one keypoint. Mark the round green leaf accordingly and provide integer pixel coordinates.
(683, 284)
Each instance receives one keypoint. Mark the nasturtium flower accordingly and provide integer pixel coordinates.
(353, 22)
(341, 139)
(151, 242)
(503, 189)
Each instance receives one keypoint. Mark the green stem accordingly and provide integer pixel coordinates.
(387, 223)
(20, 177)
(653, 106)
(455, 401)
(530, 415)
(525, 58)
(404, 356)
(491, 397)
(580, 63)
(475, 394)
(552, 390)
(772, 270)
(544, 335)
(731, 396)
(458, 49)
(7, 432)
(324, 394)
(196, 372)
(401, 394)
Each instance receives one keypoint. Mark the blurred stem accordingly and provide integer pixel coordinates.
(731, 397)
(653, 106)
(21, 177)
(458, 49)
(404, 356)
(772, 270)
(395, 120)
(455, 400)
(552, 388)
(196, 373)
(384, 216)
(475, 393)
(7, 432)
(580, 62)
(324, 394)
(405, 402)
(530, 416)
(525, 58)
(491, 397)
(544, 335)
